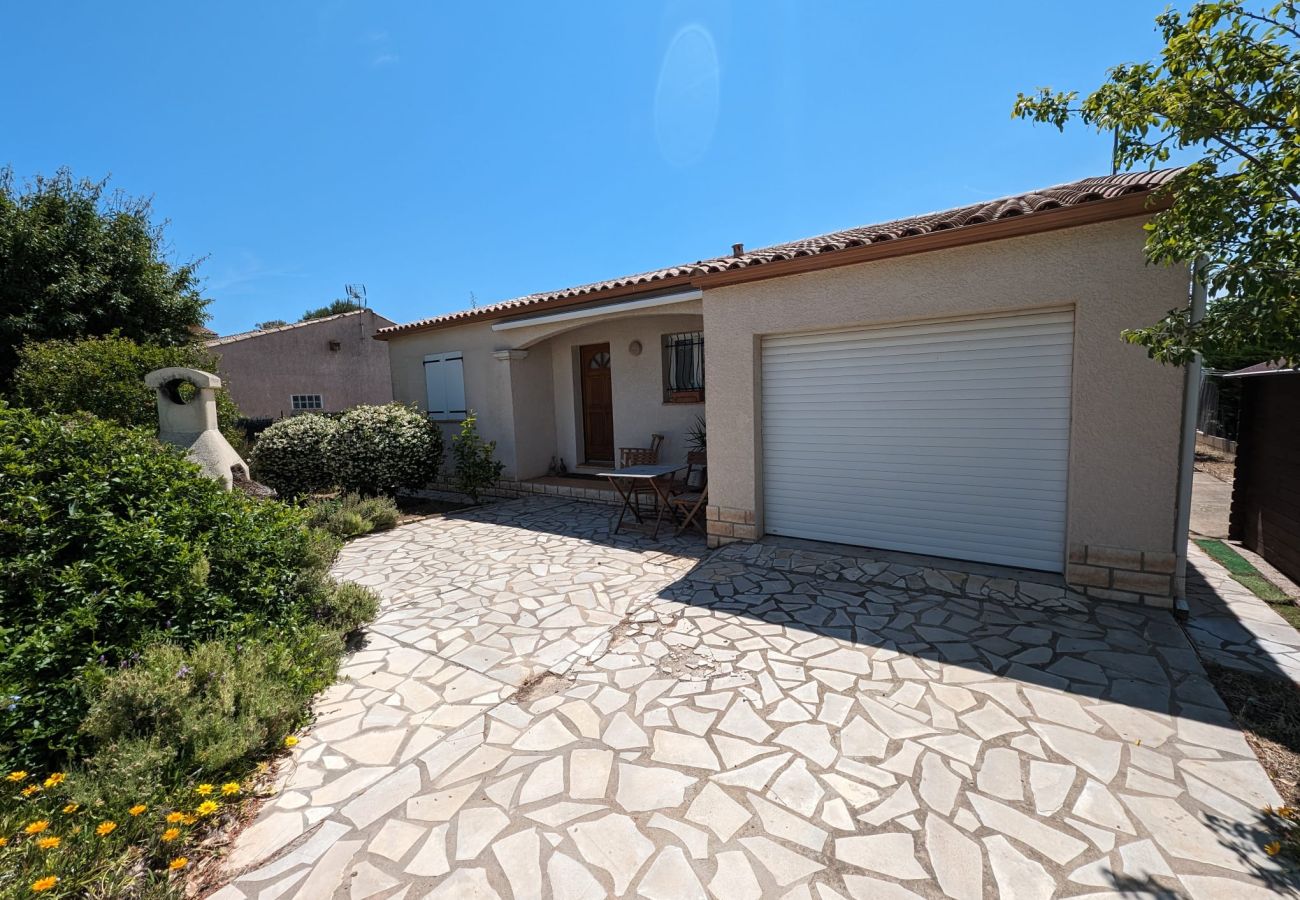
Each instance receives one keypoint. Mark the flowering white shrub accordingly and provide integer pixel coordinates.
(291, 455)
(381, 449)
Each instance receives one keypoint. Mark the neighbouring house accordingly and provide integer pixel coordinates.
(952, 384)
(1265, 513)
(320, 365)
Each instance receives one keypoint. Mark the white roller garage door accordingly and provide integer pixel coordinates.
(945, 438)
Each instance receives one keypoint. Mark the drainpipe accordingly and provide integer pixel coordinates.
(1187, 449)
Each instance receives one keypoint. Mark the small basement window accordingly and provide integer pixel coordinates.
(683, 355)
(302, 402)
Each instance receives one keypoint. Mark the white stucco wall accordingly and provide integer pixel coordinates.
(529, 406)
(1125, 414)
(639, 407)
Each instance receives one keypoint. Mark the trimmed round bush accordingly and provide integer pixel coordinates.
(383, 449)
(111, 542)
(292, 457)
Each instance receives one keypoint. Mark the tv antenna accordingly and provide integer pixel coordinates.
(356, 293)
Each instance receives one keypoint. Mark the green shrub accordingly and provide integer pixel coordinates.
(476, 469)
(383, 449)
(347, 608)
(211, 709)
(172, 739)
(291, 455)
(104, 376)
(352, 515)
(107, 541)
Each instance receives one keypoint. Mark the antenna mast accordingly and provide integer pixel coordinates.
(356, 293)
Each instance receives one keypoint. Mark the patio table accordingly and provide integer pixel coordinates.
(657, 476)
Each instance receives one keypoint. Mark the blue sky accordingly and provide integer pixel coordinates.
(434, 150)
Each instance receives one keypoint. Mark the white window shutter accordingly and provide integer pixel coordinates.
(444, 384)
(454, 385)
(434, 387)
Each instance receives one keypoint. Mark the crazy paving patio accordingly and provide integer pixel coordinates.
(543, 710)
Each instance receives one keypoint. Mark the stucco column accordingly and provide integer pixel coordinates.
(525, 385)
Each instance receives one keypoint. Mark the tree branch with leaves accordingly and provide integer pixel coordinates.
(1226, 86)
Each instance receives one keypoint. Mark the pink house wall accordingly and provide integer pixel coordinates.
(262, 370)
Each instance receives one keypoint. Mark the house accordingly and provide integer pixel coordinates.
(951, 384)
(1265, 513)
(326, 364)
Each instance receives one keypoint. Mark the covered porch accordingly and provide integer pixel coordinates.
(584, 384)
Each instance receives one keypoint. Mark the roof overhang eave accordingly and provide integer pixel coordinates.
(1140, 203)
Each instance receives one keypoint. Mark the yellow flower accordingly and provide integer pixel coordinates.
(171, 834)
(55, 779)
(204, 789)
(178, 863)
(230, 788)
(291, 741)
(208, 807)
(31, 789)
(45, 883)
(104, 829)
(71, 808)
(1272, 849)
(174, 817)
(189, 820)
(16, 776)
(37, 827)
(4, 842)
(137, 809)
(48, 843)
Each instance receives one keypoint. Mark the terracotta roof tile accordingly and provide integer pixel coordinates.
(1075, 193)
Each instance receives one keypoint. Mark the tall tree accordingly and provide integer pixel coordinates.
(1226, 86)
(77, 260)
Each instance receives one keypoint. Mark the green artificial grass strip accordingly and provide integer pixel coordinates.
(1242, 571)
(1288, 611)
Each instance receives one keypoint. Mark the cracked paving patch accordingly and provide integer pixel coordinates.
(543, 711)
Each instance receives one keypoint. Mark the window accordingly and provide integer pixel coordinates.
(684, 367)
(306, 401)
(444, 385)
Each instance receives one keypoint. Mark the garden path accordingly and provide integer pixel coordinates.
(779, 719)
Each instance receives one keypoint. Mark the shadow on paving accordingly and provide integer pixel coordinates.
(1019, 626)
(1006, 623)
(547, 709)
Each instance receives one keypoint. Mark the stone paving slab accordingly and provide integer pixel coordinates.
(1230, 626)
(771, 722)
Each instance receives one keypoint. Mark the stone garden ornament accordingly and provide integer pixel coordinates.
(187, 418)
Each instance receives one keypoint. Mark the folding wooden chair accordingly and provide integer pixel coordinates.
(696, 461)
(641, 456)
(689, 505)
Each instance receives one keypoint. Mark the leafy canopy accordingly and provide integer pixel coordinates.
(76, 260)
(105, 376)
(1227, 86)
(333, 309)
(110, 541)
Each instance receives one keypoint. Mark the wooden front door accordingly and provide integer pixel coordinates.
(597, 404)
